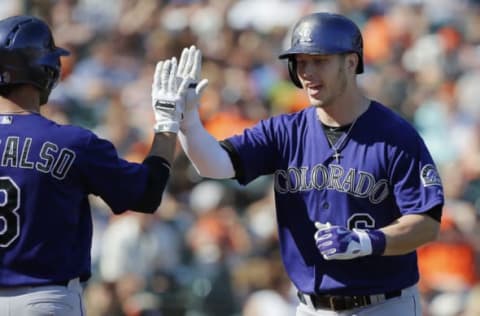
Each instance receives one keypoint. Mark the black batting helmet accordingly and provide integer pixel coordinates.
(323, 33)
(28, 54)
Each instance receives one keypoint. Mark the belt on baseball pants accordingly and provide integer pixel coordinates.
(64, 282)
(344, 302)
(72, 283)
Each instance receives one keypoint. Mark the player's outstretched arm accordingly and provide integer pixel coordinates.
(168, 103)
(207, 156)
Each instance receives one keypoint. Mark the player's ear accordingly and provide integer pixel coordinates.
(351, 62)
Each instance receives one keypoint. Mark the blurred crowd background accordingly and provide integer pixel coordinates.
(211, 249)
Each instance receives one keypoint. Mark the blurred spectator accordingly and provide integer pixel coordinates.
(448, 264)
(214, 239)
(138, 244)
(101, 300)
(472, 304)
(271, 292)
(443, 124)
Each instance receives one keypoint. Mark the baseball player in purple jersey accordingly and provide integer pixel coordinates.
(48, 170)
(356, 189)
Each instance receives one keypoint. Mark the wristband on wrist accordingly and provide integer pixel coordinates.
(161, 127)
(378, 241)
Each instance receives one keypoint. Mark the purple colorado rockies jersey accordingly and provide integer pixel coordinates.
(46, 172)
(385, 172)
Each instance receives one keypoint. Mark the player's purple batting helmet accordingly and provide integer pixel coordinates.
(323, 33)
(28, 54)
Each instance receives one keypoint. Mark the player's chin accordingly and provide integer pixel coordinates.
(316, 97)
(316, 102)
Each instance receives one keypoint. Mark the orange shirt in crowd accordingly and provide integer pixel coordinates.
(449, 262)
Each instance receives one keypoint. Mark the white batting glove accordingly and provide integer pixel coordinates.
(168, 96)
(339, 243)
(190, 66)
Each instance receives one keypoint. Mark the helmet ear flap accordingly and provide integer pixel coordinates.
(359, 69)
(292, 71)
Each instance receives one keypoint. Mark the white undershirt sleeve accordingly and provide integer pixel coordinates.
(204, 151)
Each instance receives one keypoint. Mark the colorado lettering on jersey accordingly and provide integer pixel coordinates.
(15, 153)
(332, 177)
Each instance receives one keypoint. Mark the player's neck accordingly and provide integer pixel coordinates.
(20, 101)
(344, 111)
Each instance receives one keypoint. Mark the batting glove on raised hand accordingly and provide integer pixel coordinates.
(340, 243)
(190, 66)
(168, 96)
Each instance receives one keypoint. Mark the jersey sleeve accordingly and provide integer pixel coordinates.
(416, 182)
(255, 151)
(118, 182)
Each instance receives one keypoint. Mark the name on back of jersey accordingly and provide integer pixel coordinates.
(16, 152)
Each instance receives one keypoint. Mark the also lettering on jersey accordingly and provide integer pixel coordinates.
(15, 153)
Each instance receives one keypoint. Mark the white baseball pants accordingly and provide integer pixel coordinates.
(53, 300)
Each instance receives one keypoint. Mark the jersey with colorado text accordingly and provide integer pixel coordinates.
(385, 171)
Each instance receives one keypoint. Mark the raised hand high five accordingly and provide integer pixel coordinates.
(190, 67)
(168, 96)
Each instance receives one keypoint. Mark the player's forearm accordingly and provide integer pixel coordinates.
(158, 163)
(164, 146)
(408, 233)
(204, 151)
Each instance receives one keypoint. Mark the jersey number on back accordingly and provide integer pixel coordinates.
(10, 228)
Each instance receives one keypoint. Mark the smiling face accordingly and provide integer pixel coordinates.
(325, 78)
